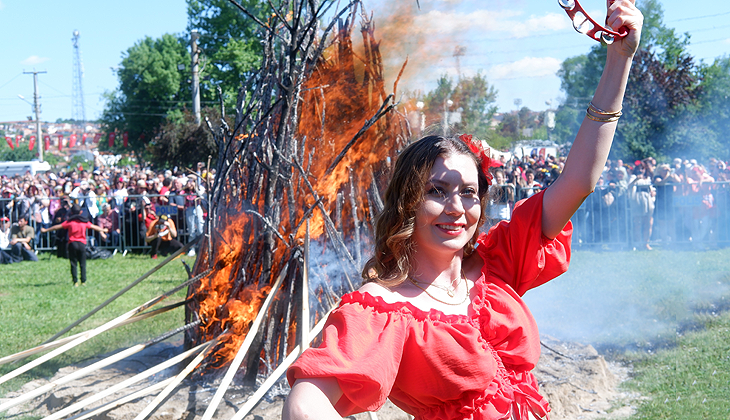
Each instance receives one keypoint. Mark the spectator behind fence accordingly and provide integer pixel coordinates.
(641, 201)
(5, 256)
(109, 220)
(86, 199)
(21, 240)
(665, 180)
(193, 212)
(531, 186)
(76, 225)
(502, 196)
(161, 236)
(60, 238)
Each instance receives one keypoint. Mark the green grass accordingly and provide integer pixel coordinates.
(690, 381)
(633, 300)
(665, 312)
(631, 303)
(37, 300)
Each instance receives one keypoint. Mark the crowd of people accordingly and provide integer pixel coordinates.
(134, 210)
(634, 203)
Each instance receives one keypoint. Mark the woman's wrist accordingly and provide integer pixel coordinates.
(610, 91)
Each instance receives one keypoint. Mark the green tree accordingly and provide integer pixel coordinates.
(18, 154)
(150, 87)
(182, 142)
(660, 102)
(712, 116)
(230, 45)
(472, 96)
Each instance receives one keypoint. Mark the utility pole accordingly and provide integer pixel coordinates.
(459, 51)
(196, 79)
(37, 106)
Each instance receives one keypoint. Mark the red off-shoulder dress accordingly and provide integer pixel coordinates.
(437, 366)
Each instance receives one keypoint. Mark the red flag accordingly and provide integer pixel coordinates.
(112, 136)
(72, 140)
(125, 137)
(31, 143)
(10, 142)
(83, 139)
(17, 139)
(97, 137)
(47, 142)
(60, 141)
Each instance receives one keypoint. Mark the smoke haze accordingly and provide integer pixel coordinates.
(632, 299)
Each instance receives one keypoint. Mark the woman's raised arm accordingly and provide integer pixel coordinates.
(591, 146)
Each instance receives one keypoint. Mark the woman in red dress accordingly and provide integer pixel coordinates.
(439, 326)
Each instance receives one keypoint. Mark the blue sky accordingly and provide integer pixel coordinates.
(517, 44)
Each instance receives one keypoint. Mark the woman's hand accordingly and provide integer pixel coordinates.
(623, 13)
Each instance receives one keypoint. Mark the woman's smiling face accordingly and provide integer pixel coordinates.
(448, 215)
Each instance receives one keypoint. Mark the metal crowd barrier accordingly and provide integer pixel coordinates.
(129, 211)
(683, 215)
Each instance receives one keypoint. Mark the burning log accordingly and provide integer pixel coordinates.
(276, 374)
(298, 176)
(213, 405)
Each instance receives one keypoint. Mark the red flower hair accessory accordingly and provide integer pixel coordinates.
(485, 162)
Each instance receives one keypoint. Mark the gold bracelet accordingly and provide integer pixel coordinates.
(601, 112)
(599, 119)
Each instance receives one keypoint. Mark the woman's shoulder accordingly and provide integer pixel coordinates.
(379, 291)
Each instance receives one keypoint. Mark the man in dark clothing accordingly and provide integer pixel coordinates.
(61, 236)
(21, 238)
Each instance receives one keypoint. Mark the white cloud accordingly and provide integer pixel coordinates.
(33, 60)
(1, 5)
(528, 67)
(508, 22)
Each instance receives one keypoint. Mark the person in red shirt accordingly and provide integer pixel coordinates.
(439, 326)
(76, 226)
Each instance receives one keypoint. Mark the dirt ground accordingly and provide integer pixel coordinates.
(578, 382)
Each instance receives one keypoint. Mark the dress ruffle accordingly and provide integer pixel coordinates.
(437, 366)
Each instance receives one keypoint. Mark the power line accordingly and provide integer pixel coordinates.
(8, 82)
(700, 17)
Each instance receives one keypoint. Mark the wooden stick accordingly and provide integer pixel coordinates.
(62, 341)
(178, 378)
(88, 369)
(242, 351)
(305, 292)
(355, 220)
(92, 333)
(276, 374)
(126, 383)
(120, 401)
(82, 338)
(98, 330)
